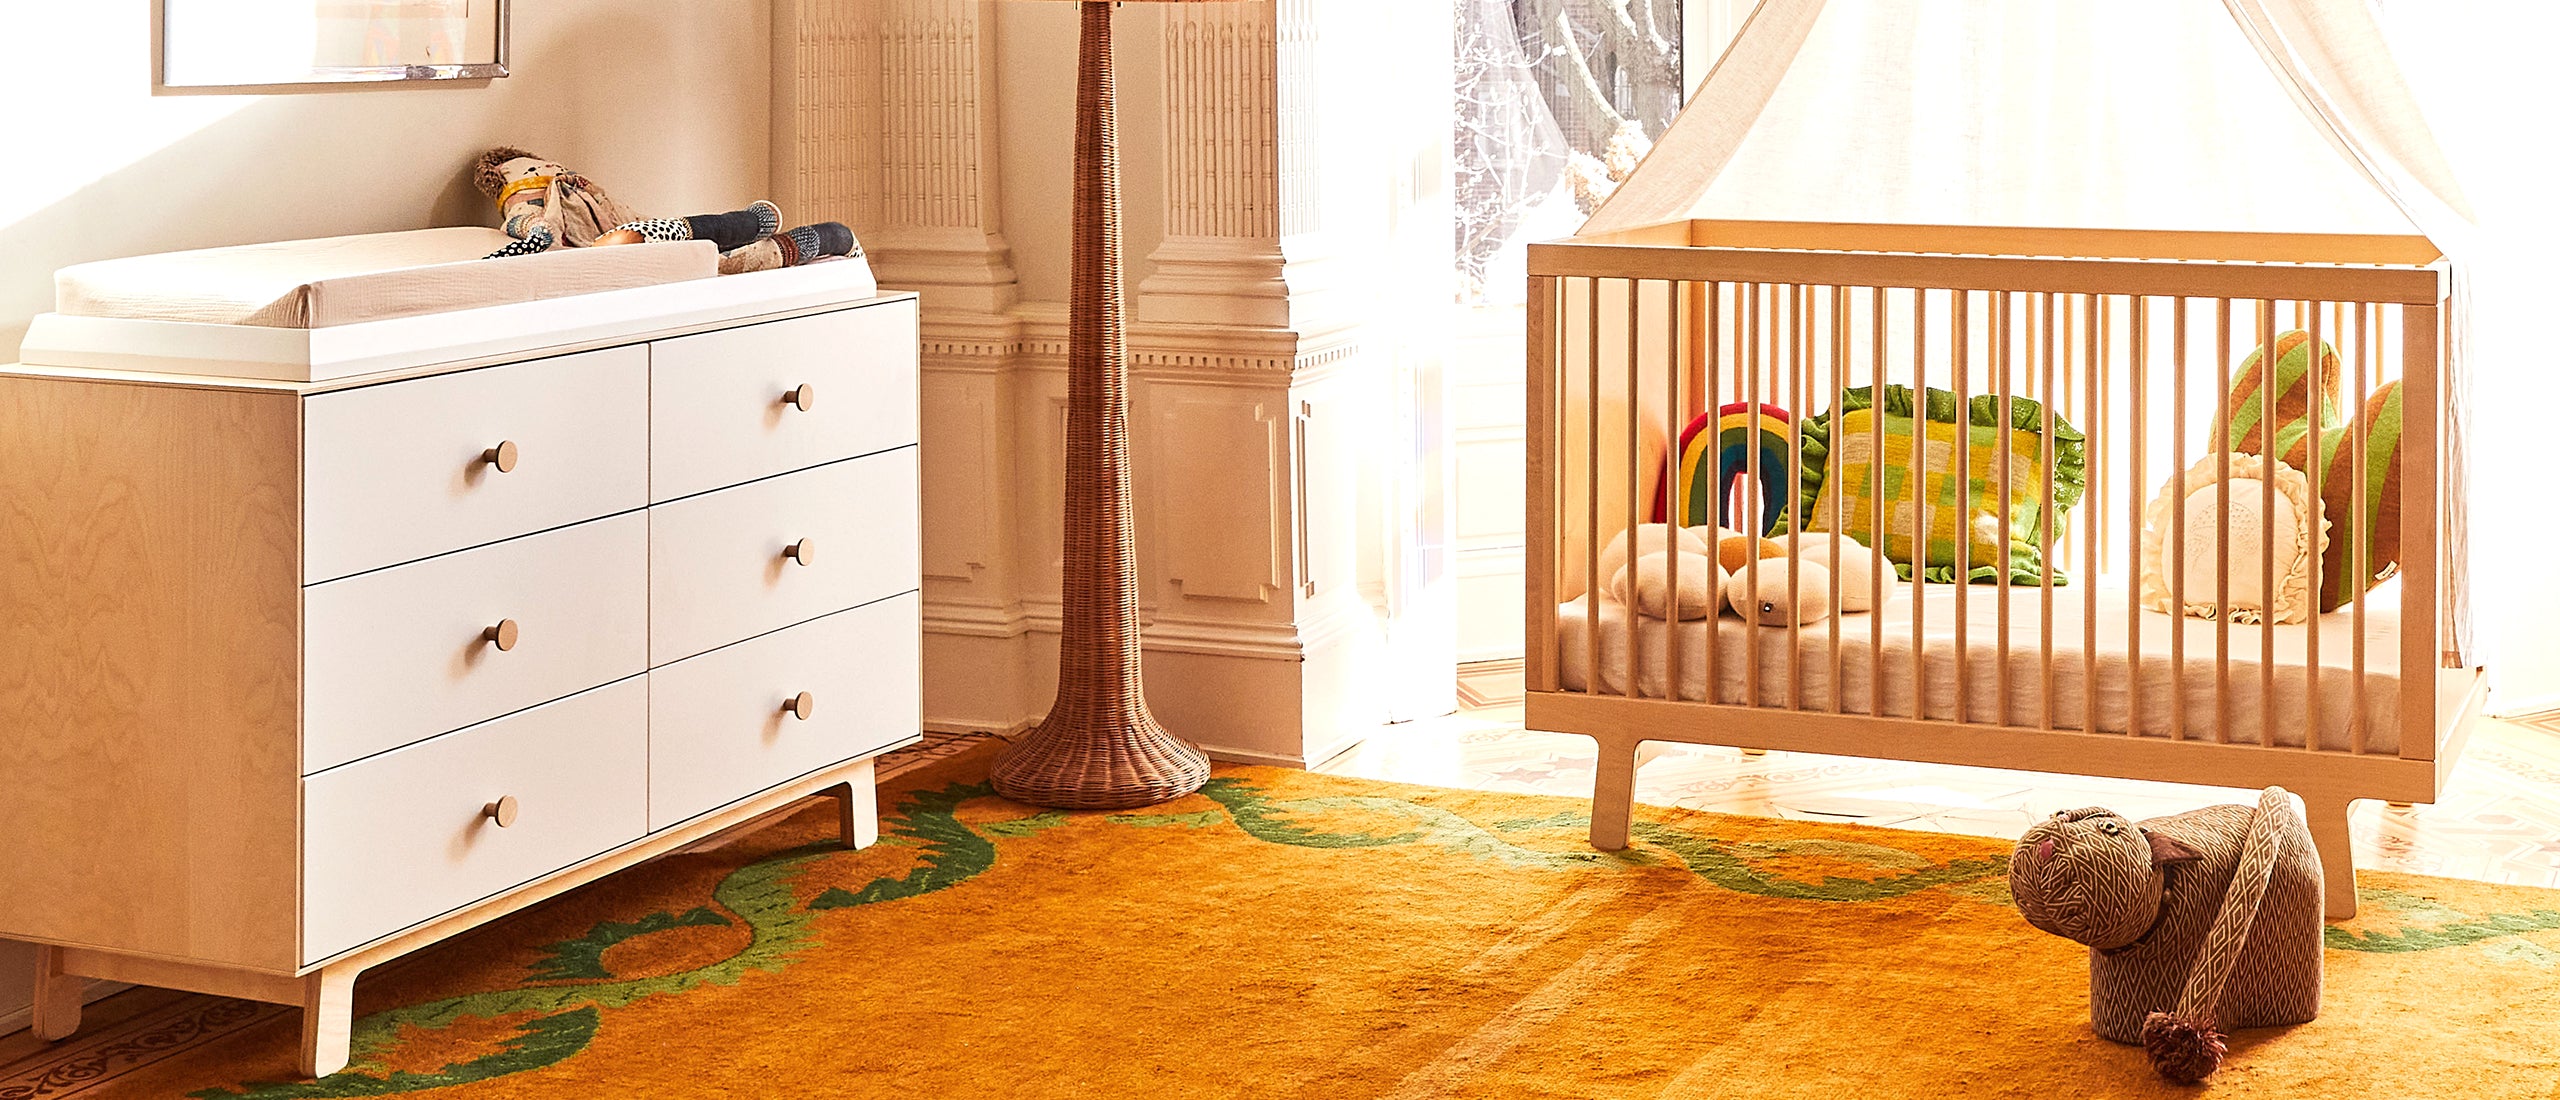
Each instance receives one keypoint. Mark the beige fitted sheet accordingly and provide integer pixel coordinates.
(2121, 670)
(370, 277)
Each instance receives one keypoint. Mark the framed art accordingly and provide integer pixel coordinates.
(240, 43)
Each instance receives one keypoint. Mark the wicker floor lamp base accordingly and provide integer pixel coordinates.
(1099, 749)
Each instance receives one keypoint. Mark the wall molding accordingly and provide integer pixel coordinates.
(1258, 380)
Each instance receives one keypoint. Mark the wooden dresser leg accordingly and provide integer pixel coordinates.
(2329, 833)
(328, 1019)
(860, 806)
(57, 996)
(1613, 795)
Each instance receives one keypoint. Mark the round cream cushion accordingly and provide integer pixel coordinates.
(1651, 538)
(1775, 603)
(1701, 586)
(1851, 561)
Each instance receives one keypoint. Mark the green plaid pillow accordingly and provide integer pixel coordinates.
(1962, 505)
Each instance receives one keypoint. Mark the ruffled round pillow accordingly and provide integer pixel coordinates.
(2258, 518)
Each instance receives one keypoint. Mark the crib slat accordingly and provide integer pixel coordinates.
(1960, 355)
(2268, 396)
(2093, 363)
(1919, 466)
(1591, 492)
(1831, 476)
(1752, 365)
(1799, 324)
(2313, 461)
(1876, 504)
(2222, 529)
(2101, 410)
(2000, 454)
(1675, 497)
(1635, 471)
(2137, 397)
(1717, 331)
(2357, 561)
(2174, 551)
(2045, 525)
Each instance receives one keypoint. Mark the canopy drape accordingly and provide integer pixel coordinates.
(2237, 115)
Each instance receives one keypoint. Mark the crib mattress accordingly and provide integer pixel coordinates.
(2123, 671)
(336, 281)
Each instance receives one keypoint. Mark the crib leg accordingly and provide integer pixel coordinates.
(2327, 817)
(1613, 794)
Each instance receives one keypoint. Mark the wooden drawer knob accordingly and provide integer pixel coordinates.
(502, 811)
(803, 397)
(804, 551)
(503, 456)
(502, 635)
(800, 706)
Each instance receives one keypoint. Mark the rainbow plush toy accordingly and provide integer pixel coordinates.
(1715, 469)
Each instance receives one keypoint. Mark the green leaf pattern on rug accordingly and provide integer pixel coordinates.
(760, 894)
(1265, 821)
(1731, 866)
(1200, 820)
(2430, 925)
(542, 1042)
(952, 851)
(582, 959)
(1025, 826)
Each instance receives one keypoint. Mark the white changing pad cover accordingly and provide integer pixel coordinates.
(2160, 681)
(333, 281)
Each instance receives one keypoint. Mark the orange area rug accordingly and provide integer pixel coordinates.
(1286, 934)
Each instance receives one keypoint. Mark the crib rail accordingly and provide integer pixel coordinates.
(2136, 347)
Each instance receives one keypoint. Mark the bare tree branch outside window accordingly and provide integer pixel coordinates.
(1556, 101)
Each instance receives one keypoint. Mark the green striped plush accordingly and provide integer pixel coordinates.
(2377, 526)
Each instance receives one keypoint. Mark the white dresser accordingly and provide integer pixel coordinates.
(298, 677)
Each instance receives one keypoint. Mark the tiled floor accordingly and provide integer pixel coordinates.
(2498, 822)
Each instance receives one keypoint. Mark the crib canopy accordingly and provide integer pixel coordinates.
(2176, 116)
(2231, 115)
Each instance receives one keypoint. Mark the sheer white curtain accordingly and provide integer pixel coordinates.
(2089, 113)
(2332, 59)
(2482, 73)
(2209, 114)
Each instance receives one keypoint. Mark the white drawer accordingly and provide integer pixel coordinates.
(402, 837)
(718, 565)
(400, 654)
(718, 411)
(397, 472)
(718, 728)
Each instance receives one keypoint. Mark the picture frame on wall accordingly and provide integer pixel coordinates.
(247, 43)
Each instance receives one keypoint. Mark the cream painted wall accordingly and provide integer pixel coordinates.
(663, 101)
(1036, 118)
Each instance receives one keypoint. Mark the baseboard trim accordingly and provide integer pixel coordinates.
(1009, 730)
(2524, 707)
(1491, 683)
(1227, 755)
(24, 1017)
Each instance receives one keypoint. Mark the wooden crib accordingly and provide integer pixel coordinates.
(2131, 336)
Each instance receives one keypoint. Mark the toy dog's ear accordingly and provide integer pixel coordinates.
(2166, 849)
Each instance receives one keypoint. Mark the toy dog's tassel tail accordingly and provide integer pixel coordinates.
(2183, 1049)
(2185, 1045)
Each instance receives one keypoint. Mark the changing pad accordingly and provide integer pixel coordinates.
(334, 281)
